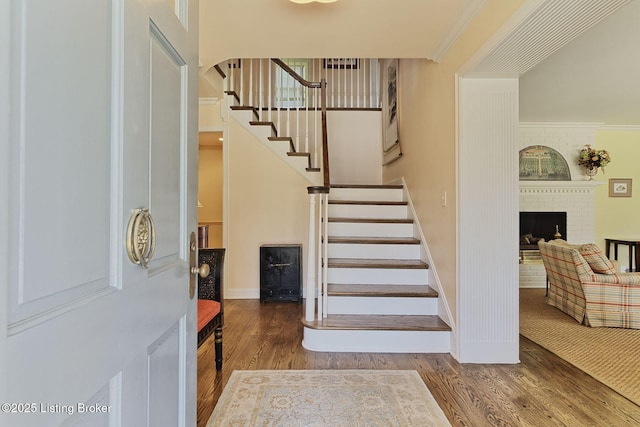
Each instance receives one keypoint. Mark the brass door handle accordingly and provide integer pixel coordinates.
(141, 237)
(203, 270)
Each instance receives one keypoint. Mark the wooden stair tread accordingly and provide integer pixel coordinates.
(373, 186)
(246, 108)
(367, 202)
(373, 220)
(355, 290)
(377, 263)
(234, 94)
(264, 123)
(378, 322)
(284, 139)
(298, 154)
(375, 240)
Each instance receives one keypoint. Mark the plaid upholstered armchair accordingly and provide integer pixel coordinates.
(587, 286)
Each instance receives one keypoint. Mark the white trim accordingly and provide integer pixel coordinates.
(425, 255)
(585, 125)
(469, 12)
(208, 101)
(375, 341)
(243, 293)
(504, 33)
(624, 128)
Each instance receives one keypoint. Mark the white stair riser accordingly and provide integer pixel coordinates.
(378, 276)
(280, 148)
(367, 211)
(377, 341)
(382, 305)
(369, 194)
(373, 251)
(368, 229)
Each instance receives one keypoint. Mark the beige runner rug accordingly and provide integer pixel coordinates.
(610, 355)
(326, 398)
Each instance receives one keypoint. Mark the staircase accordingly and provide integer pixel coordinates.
(378, 293)
(267, 133)
(379, 298)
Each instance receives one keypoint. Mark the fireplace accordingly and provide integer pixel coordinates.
(536, 226)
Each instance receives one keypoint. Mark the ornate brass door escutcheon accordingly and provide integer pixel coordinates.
(141, 237)
(202, 271)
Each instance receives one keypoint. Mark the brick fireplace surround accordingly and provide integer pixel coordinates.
(575, 197)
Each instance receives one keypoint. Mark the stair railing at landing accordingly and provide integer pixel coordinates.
(281, 97)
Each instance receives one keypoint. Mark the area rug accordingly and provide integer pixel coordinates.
(610, 355)
(326, 398)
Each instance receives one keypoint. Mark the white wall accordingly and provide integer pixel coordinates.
(267, 204)
(355, 147)
(488, 221)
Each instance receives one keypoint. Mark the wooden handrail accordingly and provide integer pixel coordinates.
(295, 75)
(322, 85)
(325, 145)
(219, 70)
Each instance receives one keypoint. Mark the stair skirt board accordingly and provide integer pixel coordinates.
(376, 341)
(367, 211)
(370, 229)
(280, 148)
(378, 276)
(382, 305)
(374, 251)
(372, 194)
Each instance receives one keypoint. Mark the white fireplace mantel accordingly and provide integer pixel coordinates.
(559, 186)
(576, 198)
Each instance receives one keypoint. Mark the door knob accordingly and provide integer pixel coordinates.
(203, 270)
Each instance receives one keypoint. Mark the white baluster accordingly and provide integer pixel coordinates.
(333, 92)
(358, 84)
(315, 134)
(311, 259)
(288, 106)
(279, 96)
(376, 101)
(251, 83)
(338, 93)
(345, 82)
(325, 284)
(298, 91)
(260, 91)
(319, 258)
(270, 103)
(241, 77)
(306, 127)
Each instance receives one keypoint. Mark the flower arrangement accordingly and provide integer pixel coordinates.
(592, 158)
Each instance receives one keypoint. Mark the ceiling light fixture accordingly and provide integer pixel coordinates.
(311, 1)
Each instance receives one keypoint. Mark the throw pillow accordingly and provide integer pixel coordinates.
(596, 259)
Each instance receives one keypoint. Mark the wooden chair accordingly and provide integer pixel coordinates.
(211, 300)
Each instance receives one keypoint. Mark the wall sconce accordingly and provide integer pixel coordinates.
(200, 204)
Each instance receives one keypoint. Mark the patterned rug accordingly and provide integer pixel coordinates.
(610, 355)
(326, 398)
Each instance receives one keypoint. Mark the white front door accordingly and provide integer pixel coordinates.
(98, 118)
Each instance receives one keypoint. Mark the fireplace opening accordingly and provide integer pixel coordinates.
(535, 226)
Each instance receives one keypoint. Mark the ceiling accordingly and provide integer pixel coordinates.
(347, 28)
(595, 78)
(571, 67)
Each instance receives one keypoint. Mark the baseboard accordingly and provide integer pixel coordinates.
(246, 293)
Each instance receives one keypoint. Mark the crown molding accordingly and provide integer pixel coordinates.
(469, 11)
(208, 101)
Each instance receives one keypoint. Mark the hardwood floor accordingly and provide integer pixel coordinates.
(543, 390)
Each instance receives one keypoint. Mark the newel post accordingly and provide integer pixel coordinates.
(313, 257)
